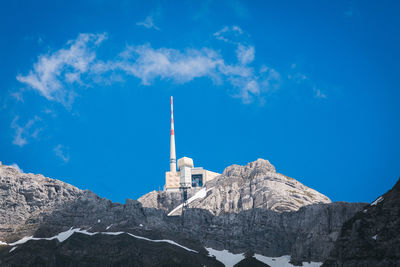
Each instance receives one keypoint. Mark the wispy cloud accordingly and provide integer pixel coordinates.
(53, 73)
(24, 132)
(245, 54)
(298, 77)
(228, 34)
(17, 96)
(147, 63)
(251, 84)
(148, 23)
(62, 153)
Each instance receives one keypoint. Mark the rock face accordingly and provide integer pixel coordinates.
(372, 236)
(307, 234)
(102, 250)
(239, 188)
(43, 207)
(26, 198)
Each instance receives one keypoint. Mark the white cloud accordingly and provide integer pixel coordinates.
(17, 96)
(228, 34)
(147, 63)
(61, 152)
(14, 165)
(54, 72)
(23, 133)
(245, 54)
(148, 23)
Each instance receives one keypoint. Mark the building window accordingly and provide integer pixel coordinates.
(197, 180)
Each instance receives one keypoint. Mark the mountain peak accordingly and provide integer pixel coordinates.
(238, 188)
(260, 167)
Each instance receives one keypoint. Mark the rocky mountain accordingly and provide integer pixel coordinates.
(26, 198)
(372, 236)
(239, 188)
(47, 221)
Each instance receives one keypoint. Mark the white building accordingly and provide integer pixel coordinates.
(187, 175)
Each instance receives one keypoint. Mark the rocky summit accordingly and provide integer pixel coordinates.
(239, 188)
(248, 210)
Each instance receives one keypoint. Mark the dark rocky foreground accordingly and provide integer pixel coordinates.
(32, 205)
(102, 250)
(372, 236)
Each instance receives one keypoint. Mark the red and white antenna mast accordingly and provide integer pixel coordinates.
(172, 159)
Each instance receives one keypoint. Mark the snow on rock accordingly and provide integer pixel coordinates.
(374, 237)
(108, 227)
(283, 261)
(224, 256)
(229, 259)
(163, 240)
(12, 249)
(200, 194)
(61, 237)
(377, 201)
(3, 243)
(65, 235)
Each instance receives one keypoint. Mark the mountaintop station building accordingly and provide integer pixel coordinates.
(187, 175)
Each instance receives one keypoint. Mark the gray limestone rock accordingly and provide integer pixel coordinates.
(33, 205)
(239, 188)
(372, 236)
(26, 198)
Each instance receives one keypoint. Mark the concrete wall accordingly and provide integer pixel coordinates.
(172, 180)
(186, 177)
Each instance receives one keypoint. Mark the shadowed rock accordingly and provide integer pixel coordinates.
(372, 236)
(45, 207)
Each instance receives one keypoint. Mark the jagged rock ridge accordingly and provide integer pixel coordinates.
(307, 234)
(256, 185)
(25, 198)
(372, 236)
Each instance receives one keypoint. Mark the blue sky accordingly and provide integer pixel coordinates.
(312, 86)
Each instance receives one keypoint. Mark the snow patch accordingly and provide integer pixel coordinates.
(3, 243)
(12, 249)
(141, 225)
(229, 259)
(151, 240)
(112, 233)
(61, 237)
(377, 201)
(374, 237)
(200, 194)
(108, 227)
(163, 240)
(65, 235)
(283, 261)
(98, 221)
(224, 256)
